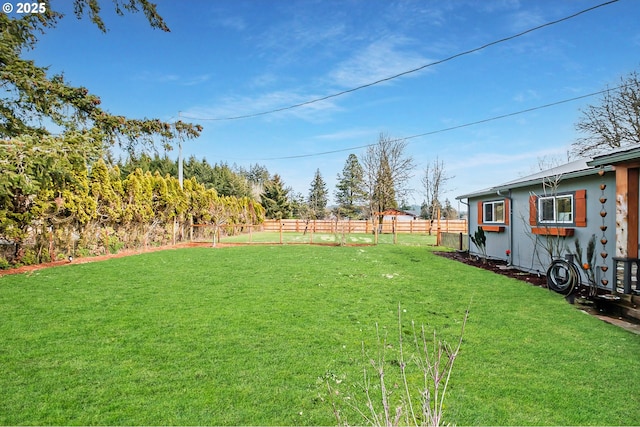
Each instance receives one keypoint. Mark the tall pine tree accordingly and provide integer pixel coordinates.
(318, 197)
(275, 199)
(350, 192)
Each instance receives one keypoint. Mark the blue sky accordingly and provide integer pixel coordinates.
(225, 58)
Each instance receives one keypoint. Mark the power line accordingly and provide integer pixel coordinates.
(404, 73)
(490, 119)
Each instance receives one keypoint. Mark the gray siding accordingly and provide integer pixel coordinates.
(527, 249)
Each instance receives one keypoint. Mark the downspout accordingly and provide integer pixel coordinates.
(508, 197)
(468, 230)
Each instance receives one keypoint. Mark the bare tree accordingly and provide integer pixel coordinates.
(387, 171)
(434, 181)
(614, 123)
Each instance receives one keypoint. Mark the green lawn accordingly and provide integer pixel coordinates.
(248, 335)
(329, 238)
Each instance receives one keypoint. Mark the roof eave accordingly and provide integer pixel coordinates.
(529, 183)
(632, 154)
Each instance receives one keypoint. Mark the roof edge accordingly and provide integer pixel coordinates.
(528, 183)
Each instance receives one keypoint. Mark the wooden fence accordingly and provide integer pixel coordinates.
(419, 226)
(458, 241)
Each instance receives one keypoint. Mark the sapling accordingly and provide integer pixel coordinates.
(417, 406)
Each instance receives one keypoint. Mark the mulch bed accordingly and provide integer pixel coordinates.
(496, 266)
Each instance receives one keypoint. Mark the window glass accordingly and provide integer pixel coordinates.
(488, 212)
(564, 209)
(546, 210)
(494, 211)
(555, 209)
(499, 211)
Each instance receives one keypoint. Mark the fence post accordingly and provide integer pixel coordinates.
(375, 231)
(281, 232)
(394, 224)
(438, 236)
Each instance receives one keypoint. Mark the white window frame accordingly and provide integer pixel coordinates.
(558, 217)
(493, 204)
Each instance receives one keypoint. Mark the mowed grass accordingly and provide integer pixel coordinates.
(249, 335)
(414, 239)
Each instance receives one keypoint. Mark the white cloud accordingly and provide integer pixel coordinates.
(349, 134)
(525, 19)
(526, 95)
(497, 5)
(292, 41)
(156, 77)
(381, 59)
(233, 106)
(486, 161)
(195, 80)
(233, 22)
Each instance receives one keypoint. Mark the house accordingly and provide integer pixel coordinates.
(390, 217)
(532, 221)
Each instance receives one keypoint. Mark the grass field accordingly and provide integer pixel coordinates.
(249, 335)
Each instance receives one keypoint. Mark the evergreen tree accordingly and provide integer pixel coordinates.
(275, 199)
(228, 182)
(449, 212)
(299, 206)
(317, 199)
(350, 193)
(107, 195)
(32, 96)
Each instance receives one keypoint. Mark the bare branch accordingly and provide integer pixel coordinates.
(614, 123)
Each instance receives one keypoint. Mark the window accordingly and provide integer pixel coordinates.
(566, 210)
(493, 212)
(555, 209)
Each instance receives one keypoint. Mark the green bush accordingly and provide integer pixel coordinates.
(29, 258)
(114, 244)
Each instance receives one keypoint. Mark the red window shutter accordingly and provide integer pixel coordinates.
(581, 208)
(533, 210)
(506, 211)
(480, 213)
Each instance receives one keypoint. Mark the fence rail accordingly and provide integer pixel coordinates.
(419, 226)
